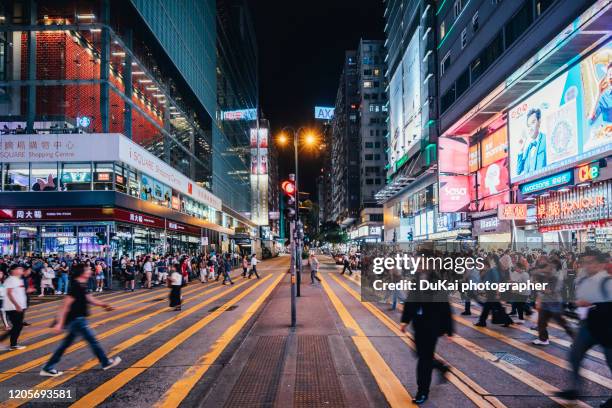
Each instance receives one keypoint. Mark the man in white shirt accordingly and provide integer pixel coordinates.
(14, 305)
(253, 267)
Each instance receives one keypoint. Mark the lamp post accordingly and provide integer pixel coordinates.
(310, 140)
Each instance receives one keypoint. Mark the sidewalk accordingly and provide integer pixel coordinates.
(314, 365)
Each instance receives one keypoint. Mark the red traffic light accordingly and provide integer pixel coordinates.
(288, 187)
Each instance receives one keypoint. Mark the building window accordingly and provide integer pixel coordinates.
(103, 176)
(475, 22)
(518, 24)
(43, 177)
(369, 181)
(367, 72)
(377, 145)
(442, 30)
(374, 97)
(76, 176)
(446, 61)
(366, 96)
(377, 72)
(377, 156)
(377, 181)
(371, 132)
(368, 157)
(367, 84)
(463, 82)
(458, 7)
(368, 145)
(447, 99)
(463, 38)
(16, 176)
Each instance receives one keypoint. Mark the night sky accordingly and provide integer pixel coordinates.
(301, 51)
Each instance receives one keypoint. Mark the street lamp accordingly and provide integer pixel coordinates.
(296, 268)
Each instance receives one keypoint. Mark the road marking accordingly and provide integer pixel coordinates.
(390, 385)
(466, 385)
(89, 364)
(50, 340)
(553, 339)
(181, 388)
(588, 374)
(514, 371)
(41, 360)
(102, 392)
(131, 302)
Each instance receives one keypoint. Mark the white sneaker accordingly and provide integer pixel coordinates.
(17, 347)
(113, 362)
(539, 342)
(50, 373)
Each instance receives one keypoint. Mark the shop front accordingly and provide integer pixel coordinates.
(493, 232)
(580, 216)
(95, 232)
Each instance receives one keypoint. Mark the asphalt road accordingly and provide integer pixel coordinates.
(231, 346)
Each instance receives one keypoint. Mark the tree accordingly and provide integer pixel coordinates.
(332, 233)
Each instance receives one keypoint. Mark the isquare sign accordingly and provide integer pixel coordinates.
(324, 112)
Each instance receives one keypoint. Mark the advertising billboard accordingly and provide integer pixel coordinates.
(452, 153)
(493, 179)
(405, 104)
(324, 112)
(259, 175)
(494, 147)
(567, 121)
(454, 193)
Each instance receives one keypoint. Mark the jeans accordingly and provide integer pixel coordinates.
(583, 341)
(76, 327)
(313, 276)
(544, 316)
(16, 319)
(62, 283)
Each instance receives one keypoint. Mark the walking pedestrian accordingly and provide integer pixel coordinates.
(519, 298)
(73, 316)
(62, 281)
(594, 301)
(3, 299)
(100, 276)
(430, 316)
(48, 274)
(253, 266)
(549, 303)
(346, 265)
(203, 270)
(15, 305)
(245, 265)
(130, 275)
(314, 268)
(148, 271)
(175, 281)
(492, 303)
(227, 267)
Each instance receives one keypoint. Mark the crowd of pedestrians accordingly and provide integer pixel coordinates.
(78, 277)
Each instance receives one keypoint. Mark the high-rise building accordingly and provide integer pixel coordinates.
(345, 144)
(523, 89)
(112, 134)
(410, 194)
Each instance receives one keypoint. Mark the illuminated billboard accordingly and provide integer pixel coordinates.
(566, 122)
(452, 154)
(239, 114)
(259, 175)
(324, 112)
(405, 105)
(454, 193)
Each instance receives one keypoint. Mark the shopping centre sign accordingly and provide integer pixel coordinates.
(100, 147)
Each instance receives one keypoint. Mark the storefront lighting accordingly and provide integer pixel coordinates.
(152, 88)
(175, 113)
(118, 54)
(586, 184)
(545, 195)
(530, 198)
(2, 18)
(145, 81)
(89, 16)
(95, 30)
(172, 108)
(563, 190)
(137, 72)
(158, 95)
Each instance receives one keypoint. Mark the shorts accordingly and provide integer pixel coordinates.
(100, 277)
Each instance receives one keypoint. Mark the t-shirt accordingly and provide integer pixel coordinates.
(148, 267)
(176, 279)
(253, 261)
(18, 292)
(78, 308)
(130, 272)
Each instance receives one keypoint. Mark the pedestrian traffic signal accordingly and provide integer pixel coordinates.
(288, 188)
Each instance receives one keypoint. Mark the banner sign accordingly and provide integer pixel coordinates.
(512, 212)
(322, 112)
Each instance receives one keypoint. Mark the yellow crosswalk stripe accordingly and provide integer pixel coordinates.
(516, 372)
(553, 339)
(585, 373)
(53, 339)
(390, 385)
(466, 385)
(130, 302)
(102, 392)
(41, 360)
(181, 388)
(88, 365)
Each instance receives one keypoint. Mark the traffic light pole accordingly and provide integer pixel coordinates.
(292, 270)
(298, 255)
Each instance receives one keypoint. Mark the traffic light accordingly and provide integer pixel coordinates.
(288, 187)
